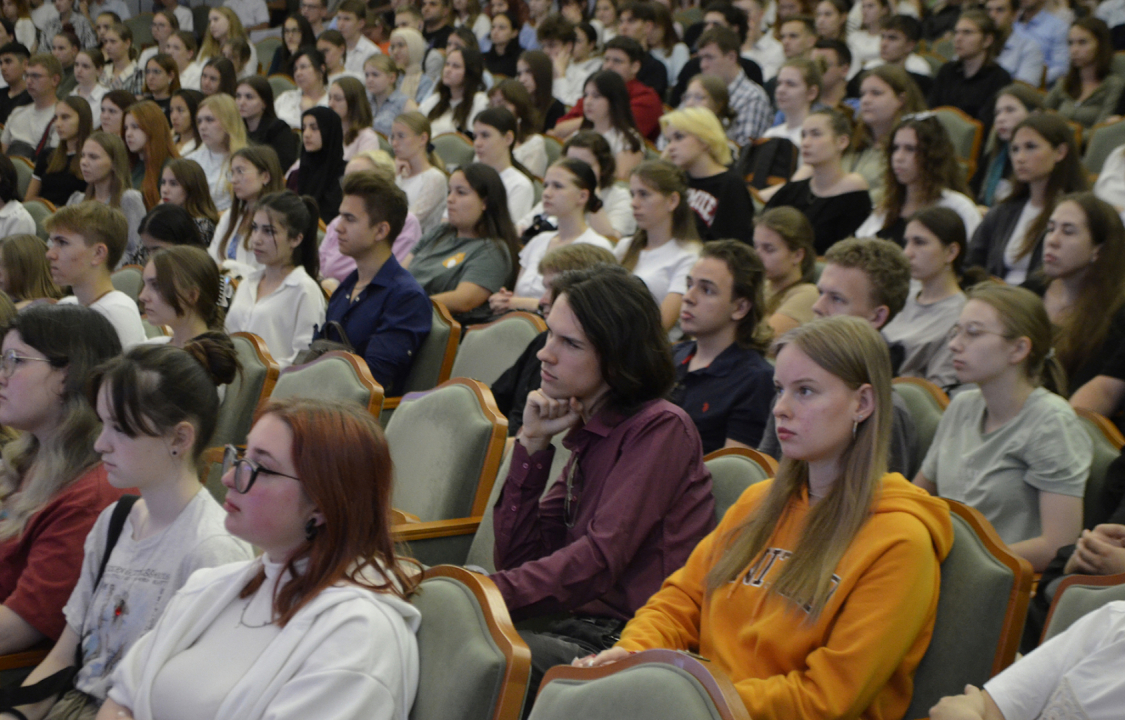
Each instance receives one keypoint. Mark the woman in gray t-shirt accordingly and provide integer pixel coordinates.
(1010, 449)
(463, 262)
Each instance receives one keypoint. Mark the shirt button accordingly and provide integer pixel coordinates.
(514, 508)
(525, 466)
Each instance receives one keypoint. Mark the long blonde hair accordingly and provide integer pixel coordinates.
(226, 112)
(702, 123)
(853, 351)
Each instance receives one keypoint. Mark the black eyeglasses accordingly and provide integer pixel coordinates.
(245, 471)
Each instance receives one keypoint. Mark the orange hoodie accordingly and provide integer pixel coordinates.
(858, 658)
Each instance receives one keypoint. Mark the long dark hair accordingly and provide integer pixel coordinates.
(495, 222)
(471, 84)
(1068, 176)
(622, 321)
(298, 214)
(191, 98)
(1103, 58)
(264, 159)
(543, 71)
(530, 119)
(612, 87)
(504, 122)
(937, 165)
(603, 153)
(264, 90)
(308, 39)
(58, 161)
(228, 78)
(186, 282)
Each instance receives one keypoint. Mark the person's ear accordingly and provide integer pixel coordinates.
(101, 254)
(672, 200)
(952, 250)
(865, 402)
(181, 439)
(1021, 348)
(383, 231)
(742, 307)
(1060, 152)
(879, 316)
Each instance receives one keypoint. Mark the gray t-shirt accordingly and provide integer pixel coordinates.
(442, 261)
(1001, 473)
(923, 333)
(139, 580)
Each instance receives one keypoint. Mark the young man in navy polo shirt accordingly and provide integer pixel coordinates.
(382, 308)
(722, 380)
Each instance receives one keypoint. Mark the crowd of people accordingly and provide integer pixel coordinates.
(617, 187)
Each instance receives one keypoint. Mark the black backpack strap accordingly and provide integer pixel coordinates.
(63, 680)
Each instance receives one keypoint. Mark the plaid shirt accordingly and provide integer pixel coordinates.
(753, 114)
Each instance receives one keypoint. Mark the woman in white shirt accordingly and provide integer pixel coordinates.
(460, 96)
(17, 11)
(922, 171)
(279, 636)
(311, 75)
(281, 302)
(530, 149)
(569, 192)
(223, 133)
(667, 243)
(254, 173)
(798, 86)
(421, 174)
(182, 47)
(864, 42)
(495, 131)
(348, 98)
(88, 66)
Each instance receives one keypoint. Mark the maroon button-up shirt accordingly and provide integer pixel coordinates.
(640, 502)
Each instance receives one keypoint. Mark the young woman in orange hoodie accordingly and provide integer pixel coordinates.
(818, 590)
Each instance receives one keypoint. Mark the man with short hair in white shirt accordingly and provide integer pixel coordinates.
(253, 13)
(32, 126)
(86, 241)
(350, 21)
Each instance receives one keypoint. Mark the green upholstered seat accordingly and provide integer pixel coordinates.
(488, 350)
(1106, 450)
(336, 375)
(924, 409)
(129, 280)
(732, 472)
(242, 397)
(454, 149)
(1076, 598)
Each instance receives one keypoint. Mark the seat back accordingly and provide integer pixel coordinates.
(488, 350)
(651, 685)
(446, 445)
(472, 664)
(335, 375)
(732, 471)
(1079, 595)
(985, 589)
(249, 391)
(454, 149)
(24, 170)
(965, 132)
(129, 280)
(266, 48)
(484, 541)
(1102, 140)
(433, 363)
(141, 25)
(39, 210)
(199, 17)
(1107, 448)
(280, 82)
(211, 473)
(926, 403)
(553, 148)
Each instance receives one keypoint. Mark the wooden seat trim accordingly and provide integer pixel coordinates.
(939, 395)
(1084, 580)
(1112, 434)
(766, 462)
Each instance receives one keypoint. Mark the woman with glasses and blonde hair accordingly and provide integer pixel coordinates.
(835, 564)
(257, 639)
(222, 133)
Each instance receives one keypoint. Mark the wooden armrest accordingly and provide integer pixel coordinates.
(24, 659)
(391, 403)
(436, 529)
(401, 517)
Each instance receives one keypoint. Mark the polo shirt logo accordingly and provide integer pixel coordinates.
(706, 407)
(453, 260)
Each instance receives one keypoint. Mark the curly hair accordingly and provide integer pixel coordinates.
(884, 264)
(936, 162)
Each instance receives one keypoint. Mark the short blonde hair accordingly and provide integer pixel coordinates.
(703, 124)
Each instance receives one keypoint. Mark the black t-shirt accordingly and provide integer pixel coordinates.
(553, 115)
(438, 38)
(512, 388)
(8, 103)
(57, 187)
(975, 95)
(833, 218)
(722, 205)
(503, 64)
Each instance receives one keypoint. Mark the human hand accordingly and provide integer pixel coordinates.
(1111, 533)
(402, 167)
(969, 706)
(500, 301)
(605, 657)
(545, 417)
(560, 61)
(1095, 556)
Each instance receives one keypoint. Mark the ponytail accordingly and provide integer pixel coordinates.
(301, 216)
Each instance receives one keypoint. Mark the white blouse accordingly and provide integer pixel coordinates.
(530, 282)
(521, 193)
(444, 123)
(191, 75)
(215, 167)
(425, 195)
(287, 106)
(285, 319)
(95, 102)
(532, 154)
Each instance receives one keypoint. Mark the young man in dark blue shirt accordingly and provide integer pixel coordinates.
(722, 379)
(384, 311)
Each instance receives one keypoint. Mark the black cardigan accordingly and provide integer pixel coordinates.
(986, 249)
(278, 135)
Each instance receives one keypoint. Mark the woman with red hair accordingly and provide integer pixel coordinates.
(276, 636)
(149, 139)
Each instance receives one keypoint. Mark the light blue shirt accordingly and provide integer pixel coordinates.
(116, 6)
(528, 38)
(1022, 58)
(1049, 30)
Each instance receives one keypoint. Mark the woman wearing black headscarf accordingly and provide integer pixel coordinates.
(322, 161)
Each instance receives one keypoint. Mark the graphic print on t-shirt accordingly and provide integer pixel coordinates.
(704, 204)
(125, 600)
